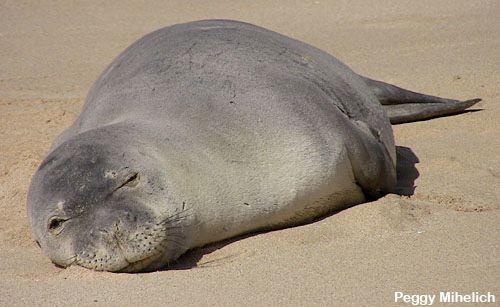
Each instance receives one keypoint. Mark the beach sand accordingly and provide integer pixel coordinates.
(444, 237)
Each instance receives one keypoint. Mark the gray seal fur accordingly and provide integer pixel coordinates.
(203, 131)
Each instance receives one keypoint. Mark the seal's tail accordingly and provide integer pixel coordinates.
(403, 106)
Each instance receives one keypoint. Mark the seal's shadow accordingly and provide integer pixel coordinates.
(406, 174)
(406, 171)
(192, 257)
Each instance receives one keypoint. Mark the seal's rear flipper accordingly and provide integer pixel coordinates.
(409, 112)
(403, 106)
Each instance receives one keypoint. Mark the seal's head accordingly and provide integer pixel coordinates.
(102, 203)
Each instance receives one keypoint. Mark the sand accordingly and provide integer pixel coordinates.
(444, 237)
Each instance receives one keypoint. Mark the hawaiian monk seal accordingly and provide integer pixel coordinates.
(207, 130)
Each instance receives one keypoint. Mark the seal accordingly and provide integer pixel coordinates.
(207, 130)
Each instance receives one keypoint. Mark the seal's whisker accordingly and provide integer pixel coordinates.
(175, 242)
(176, 236)
(177, 216)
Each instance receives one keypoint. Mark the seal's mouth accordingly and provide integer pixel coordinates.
(148, 247)
(115, 255)
(116, 260)
(144, 265)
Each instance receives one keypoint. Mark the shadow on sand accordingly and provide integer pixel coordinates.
(406, 171)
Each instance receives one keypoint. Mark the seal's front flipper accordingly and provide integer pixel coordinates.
(403, 106)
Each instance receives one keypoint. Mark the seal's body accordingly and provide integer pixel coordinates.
(203, 131)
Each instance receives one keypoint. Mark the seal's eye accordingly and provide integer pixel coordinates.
(131, 181)
(55, 224)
